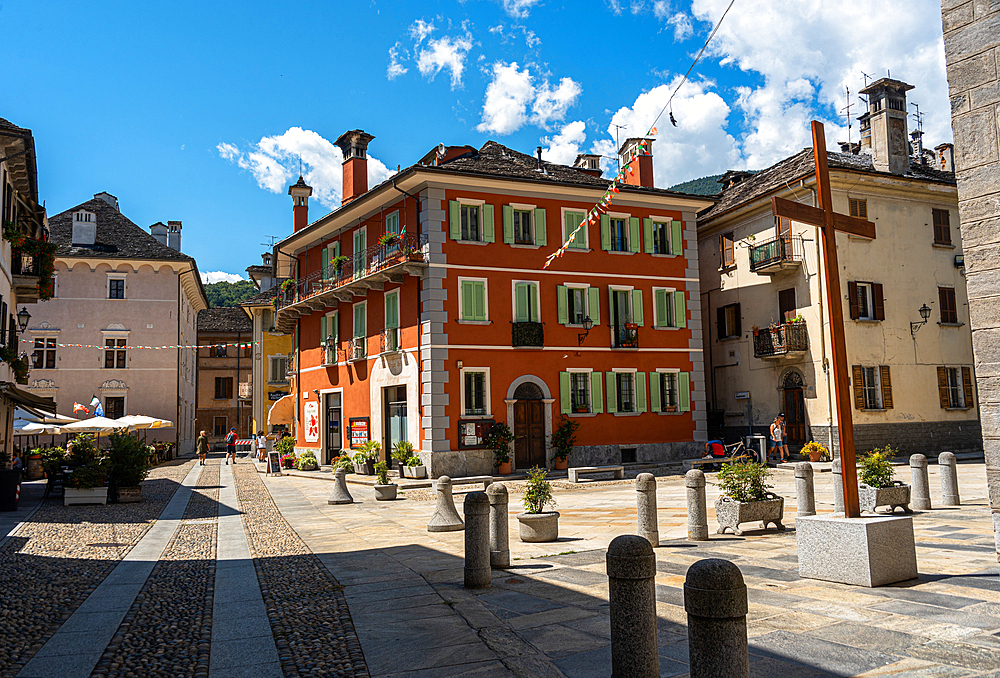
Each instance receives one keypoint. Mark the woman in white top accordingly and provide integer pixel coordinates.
(261, 446)
(777, 438)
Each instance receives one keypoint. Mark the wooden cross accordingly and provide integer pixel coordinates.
(830, 222)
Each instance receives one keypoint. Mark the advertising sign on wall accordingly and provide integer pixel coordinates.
(359, 431)
(311, 416)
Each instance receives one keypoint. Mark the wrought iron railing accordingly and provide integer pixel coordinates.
(330, 354)
(527, 334)
(290, 370)
(625, 335)
(357, 349)
(24, 264)
(780, 340)
(776, 251)
(389, 340)
(407, 248)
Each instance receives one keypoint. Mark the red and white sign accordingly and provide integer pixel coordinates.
(311, 415)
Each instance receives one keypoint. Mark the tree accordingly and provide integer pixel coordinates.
(225, 293)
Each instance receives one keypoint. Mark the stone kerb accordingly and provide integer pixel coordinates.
(445, 517)
(645, 492)
(715, 599)
(920, 486)
(631, 569)
(697, 510)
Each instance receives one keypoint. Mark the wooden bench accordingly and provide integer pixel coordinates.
(574, 473)
(469, 480)
(691, 463)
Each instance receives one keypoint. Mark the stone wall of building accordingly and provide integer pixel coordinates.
(972, 51)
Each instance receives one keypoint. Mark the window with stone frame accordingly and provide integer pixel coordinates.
(942, 227)
(44, 355)
(580, 392)
(115, 354)
(475, 393)
(668, 392)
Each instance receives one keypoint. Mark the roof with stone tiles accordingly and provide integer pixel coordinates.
(226, 319)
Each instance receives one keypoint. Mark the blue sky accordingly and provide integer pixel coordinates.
(201, 111)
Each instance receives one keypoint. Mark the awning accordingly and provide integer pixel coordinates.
(282, 411)
(94, 425)
(28, 400)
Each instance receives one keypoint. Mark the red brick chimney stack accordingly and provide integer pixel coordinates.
(354, 145)
(640, 160)
(300, 193)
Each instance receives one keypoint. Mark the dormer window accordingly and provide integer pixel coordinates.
(86, 217)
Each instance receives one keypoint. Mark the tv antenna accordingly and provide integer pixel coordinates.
(847, 108)
(272, 238)
(618, 144)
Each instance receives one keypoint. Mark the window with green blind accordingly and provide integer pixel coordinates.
(669, 308)
(665, 392)
(581, 392)
(570, 221)
(526, 302)
(523, 226)
(360, 320)
(392, 223)
(662, 237)
(626, 392)
(473, 300)
(329, 253)
(360, 244)
(471, 222)
(575, 304)
(392, 310)
(328, 329)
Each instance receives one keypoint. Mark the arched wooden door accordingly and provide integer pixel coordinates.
(529, 427)
(795, 409)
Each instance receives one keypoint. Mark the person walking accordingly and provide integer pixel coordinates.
(202, 448)
(261, 446)
(777, 437)
(231, 445)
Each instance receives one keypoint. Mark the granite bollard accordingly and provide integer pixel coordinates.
(632, 597)
(694, 481)
(499, 526)
(920, 496)
(838, 486)
(948, 467)
(477, 540)
(645, 495)
(445, 517)
(805, 493)
(340, 494)
(715, 599)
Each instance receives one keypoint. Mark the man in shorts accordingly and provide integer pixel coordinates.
(231, 446)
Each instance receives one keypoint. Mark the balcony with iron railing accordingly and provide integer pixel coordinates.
(790, 340)
(527, 334)
(774, 256)
(353, 276)
(625, 335)
(329, 353)
(389, 340)
(357, 349)
(25, 273)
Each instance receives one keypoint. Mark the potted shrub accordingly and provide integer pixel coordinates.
(388, 239)
(53, 459)
(10, 484)
(415, 468)
(127, 465)
(562, 440)
(499, 440)
(367, 457)
(285, 447)
(877, 486)
(402, 451)
(384, 490)
(87, 484)
(816, 451)
(344, 461)
(307, 461)
(537, 524)
(338, 263)
(746, 497)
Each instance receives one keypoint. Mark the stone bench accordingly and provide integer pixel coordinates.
(692, 463)
(468, 480)
(574, 473)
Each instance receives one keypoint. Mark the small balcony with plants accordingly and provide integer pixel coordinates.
(777, 342)
(329, 352)
(389, 340)
(625, 335)
(776, 255)
(32, 264)
(527, 334)
(357, 349)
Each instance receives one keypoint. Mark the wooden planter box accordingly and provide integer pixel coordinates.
(94, 495)
(731, 513)
(898, 495)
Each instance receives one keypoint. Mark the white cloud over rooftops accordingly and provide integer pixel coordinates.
(209, 277)
(513, 90)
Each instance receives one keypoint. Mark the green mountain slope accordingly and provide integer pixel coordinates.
(229, 294)
(704, 186)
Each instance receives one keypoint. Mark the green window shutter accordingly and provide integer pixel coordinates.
(596, 392)
(533, 306)
(572, 220)
(564, 393)
(654, 391)
(322, 331)
(326, 263)
(468, 300)
(479, 293)
(392, 310)
(359, 321)
(605, 232)
(612, 393)
(640, 391)
(637, 307)
(540, 234)
(562, 302)
(680, 309)
(633, 234)
(647, 235)
(336, 249)
(611, 306)
(455, 216)
(521, 302)
(488, 235)
(684, 391)
(508, 224)
(594, 301)
(660, 304)
(677, 242)
(333, 327)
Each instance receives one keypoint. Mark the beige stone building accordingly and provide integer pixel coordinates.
(224, 370)
(121, 294)
(913, 381)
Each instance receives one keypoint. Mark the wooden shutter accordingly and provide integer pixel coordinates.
(637, 307)
(596, 392)
(852, 299)
(676, 239)
(541, 237)
(533, 311)
(680, 309)
(612, 393)
(322, 331)
(660, 308)
(479, 294)
(949, 310)
(521, 303)
(633, 234)
(878, 302)
(647, 235)
(858, 381)
(654, 391)
(488, 226)
(455, 218)
(325, 256)
(727, 249)
(594, 302)
(684, 392)
(640, 391)
(333, 327)
(466, 312)
(737, 320)
(562, 304)
(359, 321)
(565, 402)
(886, 387)
(605, 232)
(508, 224)
(720, 323)
(392, 310)
(967, 385)
(942, 227)
(942, 374)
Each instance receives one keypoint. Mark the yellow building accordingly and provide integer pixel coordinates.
(269, 378)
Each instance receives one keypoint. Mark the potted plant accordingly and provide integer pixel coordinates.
(288, 460)
(796, 319)
(412, 254)
(10, 483)
(877, 486)
(562, 440)
(344, 461)
(384, 490)
(388, 239)
(366, 458)
(127, 465)
(307, 461)
(338, 263)
(537, 524)
(746, 498)
(402, 451)
(287, 288)
(415, 468)
(499, 440)
(816, 451)
(53, 459)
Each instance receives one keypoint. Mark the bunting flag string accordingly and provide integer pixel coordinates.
(247, 344)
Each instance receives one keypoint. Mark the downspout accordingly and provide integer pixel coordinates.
(822, 315)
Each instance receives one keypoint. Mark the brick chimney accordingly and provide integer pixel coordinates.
(354, 145)
(300, 193)
(946, 157)
(640, 160)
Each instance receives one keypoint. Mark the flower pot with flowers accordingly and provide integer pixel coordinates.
(816, 451)
(87, 482)
(562, 440)
(384, 490)
(128, 465)
(877, 486)
(499, 439)
(746, 497)
(388, 239)
(307, 461)
(536, 524)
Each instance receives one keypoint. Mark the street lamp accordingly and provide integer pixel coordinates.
(925, 313)
(22, 318)
(588, 325)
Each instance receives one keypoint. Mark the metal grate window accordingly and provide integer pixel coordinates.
(626, 391)
(580, 391)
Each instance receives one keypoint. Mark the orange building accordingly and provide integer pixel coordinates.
(420, 310)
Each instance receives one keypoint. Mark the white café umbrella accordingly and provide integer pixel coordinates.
(138, 422)
(22, 427)
(93, 425)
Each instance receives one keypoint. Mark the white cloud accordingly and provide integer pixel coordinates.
(420, 30)
(661, 9)
(395, 69)
(209, 277)
(445, 53)
(512, 91)
(563, 148)
(682, 26)
(274, 164)
(519, 9)
(615, 6)
(637, 7)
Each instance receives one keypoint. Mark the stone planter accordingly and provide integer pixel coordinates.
(539, 527)
(130, 495)
(731, 513)
(898, 495)
(415, 471)
(309, 467)
(365, 469)
(93, 495)
(386, 492)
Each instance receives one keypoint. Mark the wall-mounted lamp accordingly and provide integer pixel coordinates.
(22, 318)
(588, 325)
(925, 313)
